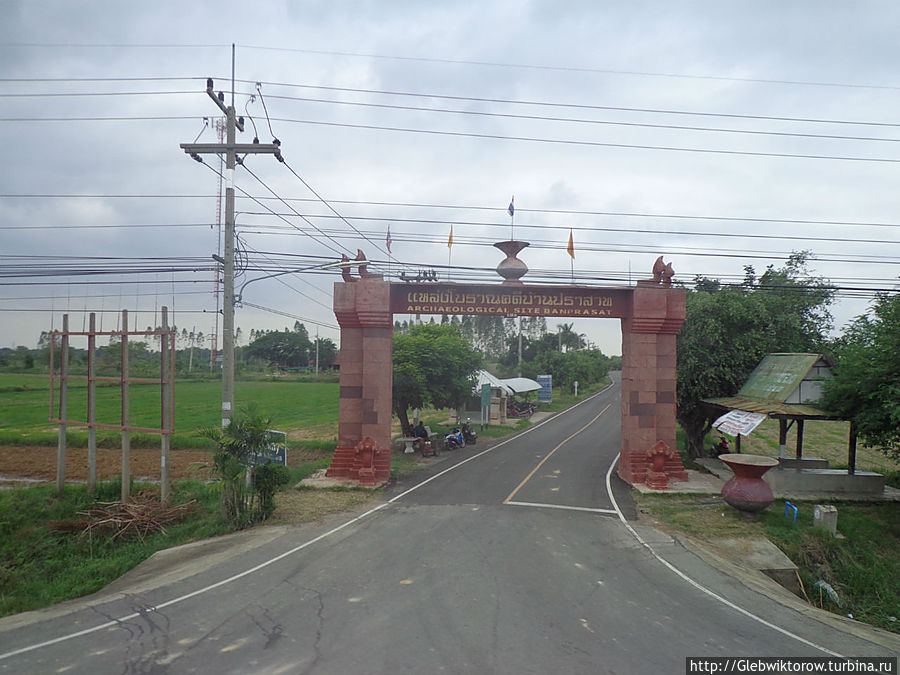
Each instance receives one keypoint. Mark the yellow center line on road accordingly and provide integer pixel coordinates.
(550, 454)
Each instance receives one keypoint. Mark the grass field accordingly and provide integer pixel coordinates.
(306, 410)
(828, 440)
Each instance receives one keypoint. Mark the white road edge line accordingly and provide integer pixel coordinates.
(240, 575)
(699, 586)
(562, 506)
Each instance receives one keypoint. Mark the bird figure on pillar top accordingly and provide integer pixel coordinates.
(345, 270)
(663, 272)
(363, 272)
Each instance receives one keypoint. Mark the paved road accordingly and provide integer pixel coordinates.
(514, 560)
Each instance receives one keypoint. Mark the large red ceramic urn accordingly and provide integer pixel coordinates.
(747, 491)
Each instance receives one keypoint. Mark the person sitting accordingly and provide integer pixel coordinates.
(421, 434)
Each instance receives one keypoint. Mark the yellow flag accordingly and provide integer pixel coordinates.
(450, 238)
(570, 249)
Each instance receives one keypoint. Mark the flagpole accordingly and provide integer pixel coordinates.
(449, 251)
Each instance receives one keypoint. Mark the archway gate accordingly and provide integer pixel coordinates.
(651, 314)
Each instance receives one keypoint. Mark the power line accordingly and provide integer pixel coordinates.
(332, 209)
(292, 316)
(302, 217)
(420, 59)
(477, 113)
(599, 144)
(78, 94)
(190, 78)
(605, 71)
(593, 228)
(583, 106)
(546, 118)
(462, 134)
(592, 212)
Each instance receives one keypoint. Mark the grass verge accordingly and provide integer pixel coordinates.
(863, 566)
(41, 565)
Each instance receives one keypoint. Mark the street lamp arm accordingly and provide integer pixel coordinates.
(239, 295)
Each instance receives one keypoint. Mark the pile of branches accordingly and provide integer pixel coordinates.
(145, 515)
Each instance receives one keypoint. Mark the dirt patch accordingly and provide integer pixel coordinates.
(307, 505)
(39, 463)
(27, 463)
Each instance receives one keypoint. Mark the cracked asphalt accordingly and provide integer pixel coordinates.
(444, 578)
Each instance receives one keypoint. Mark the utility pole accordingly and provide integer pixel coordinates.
(520, 346)
(230, 149)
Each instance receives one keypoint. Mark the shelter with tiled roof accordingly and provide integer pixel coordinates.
(787, 387)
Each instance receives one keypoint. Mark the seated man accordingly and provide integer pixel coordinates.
(421, 434)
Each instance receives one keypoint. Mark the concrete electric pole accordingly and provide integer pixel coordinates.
(231, 150)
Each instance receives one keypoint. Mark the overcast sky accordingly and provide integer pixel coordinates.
(646, 128)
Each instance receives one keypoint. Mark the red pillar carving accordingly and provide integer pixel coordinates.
(648, 378)
(362, 308)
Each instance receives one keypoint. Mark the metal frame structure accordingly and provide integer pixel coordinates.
(59, 407)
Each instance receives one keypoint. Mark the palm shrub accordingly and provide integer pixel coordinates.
(236, 445)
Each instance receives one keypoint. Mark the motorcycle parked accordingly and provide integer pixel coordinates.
(469, 434)
(454, 439)
(721, 447)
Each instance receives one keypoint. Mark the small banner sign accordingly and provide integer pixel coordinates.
(738, 422)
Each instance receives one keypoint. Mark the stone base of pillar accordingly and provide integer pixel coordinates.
(342, 462)
(657, 480)
(635, 466)
(348, 464)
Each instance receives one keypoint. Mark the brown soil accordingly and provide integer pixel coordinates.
(39, 463)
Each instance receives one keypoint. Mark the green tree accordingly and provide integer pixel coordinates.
(285, 349)
(433, 365)
(866, 386)
(327, 351)
(729, 329)
(569, 340)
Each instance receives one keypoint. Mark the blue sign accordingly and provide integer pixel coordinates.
(275, 453)
(545, 393)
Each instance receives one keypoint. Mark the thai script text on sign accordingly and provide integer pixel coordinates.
(505, 301)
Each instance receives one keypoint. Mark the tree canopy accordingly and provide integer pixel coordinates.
(866, 386)
(728, 329)
(433, 365)
(285, 349)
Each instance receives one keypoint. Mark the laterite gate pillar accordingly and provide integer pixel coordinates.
(648, 377)
(362, 308)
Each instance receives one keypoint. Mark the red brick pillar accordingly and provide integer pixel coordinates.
(363, 312)
(648, 376)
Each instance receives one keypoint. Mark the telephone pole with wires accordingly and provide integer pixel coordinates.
(230, 149)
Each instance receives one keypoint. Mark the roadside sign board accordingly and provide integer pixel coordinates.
(276, 453)
(545, 393)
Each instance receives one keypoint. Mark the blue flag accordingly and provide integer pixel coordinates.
(512, 207)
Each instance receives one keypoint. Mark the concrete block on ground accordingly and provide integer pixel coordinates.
(761, 554)
(825, 516)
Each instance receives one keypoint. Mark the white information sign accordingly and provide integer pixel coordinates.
(738, 422)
